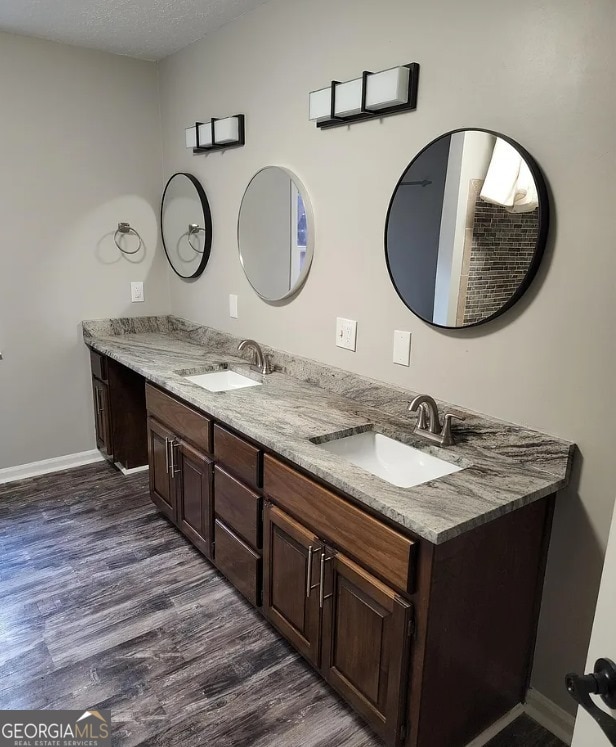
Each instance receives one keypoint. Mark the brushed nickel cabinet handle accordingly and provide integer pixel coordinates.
(167, 455)
(309, 585)
(172, 467)
(322, 595)
(173, 444)
(309, 572)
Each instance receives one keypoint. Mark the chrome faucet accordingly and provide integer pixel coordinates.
(426, 408)
(262, 362)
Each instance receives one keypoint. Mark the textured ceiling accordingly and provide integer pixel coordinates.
(149, 29)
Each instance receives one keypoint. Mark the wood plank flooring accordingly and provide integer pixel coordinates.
(104, 604)
(525, 731)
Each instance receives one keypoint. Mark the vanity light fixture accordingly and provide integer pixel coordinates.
(216, 134)
(373, 95)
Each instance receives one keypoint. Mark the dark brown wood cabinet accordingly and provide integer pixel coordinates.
(238, 507)
(162, 487)
(291, 581)
(194, 427)
(193, 473)
(181, 483)
(347, 623)
(374, 544)
(241, 458)
(388, 619)
(238, 562)
(119, 412)
(367, 630)
(102, 418)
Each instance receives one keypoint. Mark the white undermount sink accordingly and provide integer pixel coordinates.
(391, 460)
(222, 381)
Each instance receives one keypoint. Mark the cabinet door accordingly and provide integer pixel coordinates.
(102, 417)
(291, 596)
(162, 486)
(366, 633)
(193, 475)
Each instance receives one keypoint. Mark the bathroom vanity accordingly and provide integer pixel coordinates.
(418, 605)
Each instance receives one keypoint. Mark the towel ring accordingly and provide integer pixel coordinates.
(194, 228)
(124, 229)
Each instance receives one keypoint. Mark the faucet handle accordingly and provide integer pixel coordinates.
(446, 434)
(422, 417)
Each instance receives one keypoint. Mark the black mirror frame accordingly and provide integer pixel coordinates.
(207, 220)
(542, 233)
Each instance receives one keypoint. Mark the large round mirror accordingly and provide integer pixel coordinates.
(466, 228)
(186, 225)
(275, 233)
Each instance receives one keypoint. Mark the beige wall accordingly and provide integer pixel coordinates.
(539, 71)
(79, 152)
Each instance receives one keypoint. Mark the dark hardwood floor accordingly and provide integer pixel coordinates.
(104, 604)
(525, 731)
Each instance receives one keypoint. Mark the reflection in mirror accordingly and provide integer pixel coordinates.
(466, 228)
(186, 225)
(275, 233)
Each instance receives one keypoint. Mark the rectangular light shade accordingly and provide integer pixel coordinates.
(384, 89)
(191, 137)
(205, 135)
(320, 105)
(348, 98)
(348, 101)
(226, 130)
(389, 88)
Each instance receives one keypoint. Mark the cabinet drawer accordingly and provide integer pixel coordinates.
(375, 545)
(238, 506)
(186, 422)
(240, 457)
(98, 363)
(240, 564)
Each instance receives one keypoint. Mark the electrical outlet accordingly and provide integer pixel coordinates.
(136, 293)
(233, 306)
(346, 334)
(402, 347)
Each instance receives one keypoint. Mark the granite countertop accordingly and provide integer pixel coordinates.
(304, 403)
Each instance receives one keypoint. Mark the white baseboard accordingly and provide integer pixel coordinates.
(497, 727)
(551, 716)
(132, 470)
(46, 466)
(542, 710)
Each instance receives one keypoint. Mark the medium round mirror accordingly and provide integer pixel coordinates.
(466, 228)
(186, 225)
(275, 233)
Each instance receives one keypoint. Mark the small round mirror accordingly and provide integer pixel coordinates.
(466, 228)
(275, 233)
(186, 225)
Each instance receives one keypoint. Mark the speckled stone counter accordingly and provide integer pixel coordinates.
(304, 403)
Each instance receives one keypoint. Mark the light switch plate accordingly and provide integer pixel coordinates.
(136, 292)
(402, 347)
(346, 333)
(233, 306)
